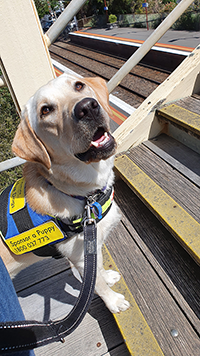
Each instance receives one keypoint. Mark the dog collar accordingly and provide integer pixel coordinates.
(80, 197)
(23, 230)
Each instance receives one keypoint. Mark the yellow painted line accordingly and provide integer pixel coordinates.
(184, 117)
(119, 114)
(173, 216)
(58, 71)
(137, 335)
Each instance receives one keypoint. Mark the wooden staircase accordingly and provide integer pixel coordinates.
(158, 161)
(164, 172)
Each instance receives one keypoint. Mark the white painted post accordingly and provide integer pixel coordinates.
(11, 163)
(148, 44)
(25, 59)
(2, 81)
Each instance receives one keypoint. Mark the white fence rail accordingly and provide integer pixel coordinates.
(58, 26)
(11, 163)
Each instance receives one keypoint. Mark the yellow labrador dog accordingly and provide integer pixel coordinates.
(64, 135)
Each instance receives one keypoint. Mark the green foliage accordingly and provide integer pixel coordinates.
(112, 18)
(125, 21)
(96, 7)
(189, 21)
(169, 6)
(168, 1)
(93, 7)
(42, 6)
(139, 9)
(155, 6)
(121, 7)
(9, 120)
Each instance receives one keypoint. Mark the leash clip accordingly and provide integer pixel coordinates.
(88, 219)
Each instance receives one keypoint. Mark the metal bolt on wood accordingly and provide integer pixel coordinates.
(174, 332)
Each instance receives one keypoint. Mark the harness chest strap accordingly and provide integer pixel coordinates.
(23, 230)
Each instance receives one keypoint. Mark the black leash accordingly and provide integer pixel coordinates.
(26, 335)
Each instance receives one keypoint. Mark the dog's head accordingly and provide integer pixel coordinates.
(66, 119)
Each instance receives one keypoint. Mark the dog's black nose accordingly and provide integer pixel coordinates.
(86, 108)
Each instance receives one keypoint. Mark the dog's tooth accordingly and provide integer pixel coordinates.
(105, 134)
(95, 144)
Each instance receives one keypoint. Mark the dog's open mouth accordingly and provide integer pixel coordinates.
(100, 138)
(102, 146)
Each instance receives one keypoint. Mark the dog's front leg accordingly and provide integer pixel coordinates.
(114, 301)
(111, 277)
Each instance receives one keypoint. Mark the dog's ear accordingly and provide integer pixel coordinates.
(99, 86)
(27, 145)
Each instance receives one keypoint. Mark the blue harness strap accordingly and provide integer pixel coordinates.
(24, 230)
(23, 220)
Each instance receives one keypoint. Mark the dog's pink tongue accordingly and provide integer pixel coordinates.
(100, 141)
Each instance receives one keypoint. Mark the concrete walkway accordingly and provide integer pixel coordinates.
(171, 37)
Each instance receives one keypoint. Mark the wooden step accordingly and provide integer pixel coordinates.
(177, 156)
(161, 275)
(183, 121)
(169, 187)
(184, 118)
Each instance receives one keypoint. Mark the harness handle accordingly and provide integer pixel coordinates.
(26, 335)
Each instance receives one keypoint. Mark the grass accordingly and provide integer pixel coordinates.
(9, 121)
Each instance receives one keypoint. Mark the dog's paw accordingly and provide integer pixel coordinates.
(118, 303)
(111, 277)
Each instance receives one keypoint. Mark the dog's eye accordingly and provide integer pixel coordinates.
(79, 86)
(45, 110)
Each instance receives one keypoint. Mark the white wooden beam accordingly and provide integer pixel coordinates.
(142, 124)
(25, 59)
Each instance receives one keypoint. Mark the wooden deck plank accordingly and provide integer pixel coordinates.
(153, 295)
(118, 351)
(39, 271)
(87, 339)
(53, 298)
(172, 215)
(191, 103)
